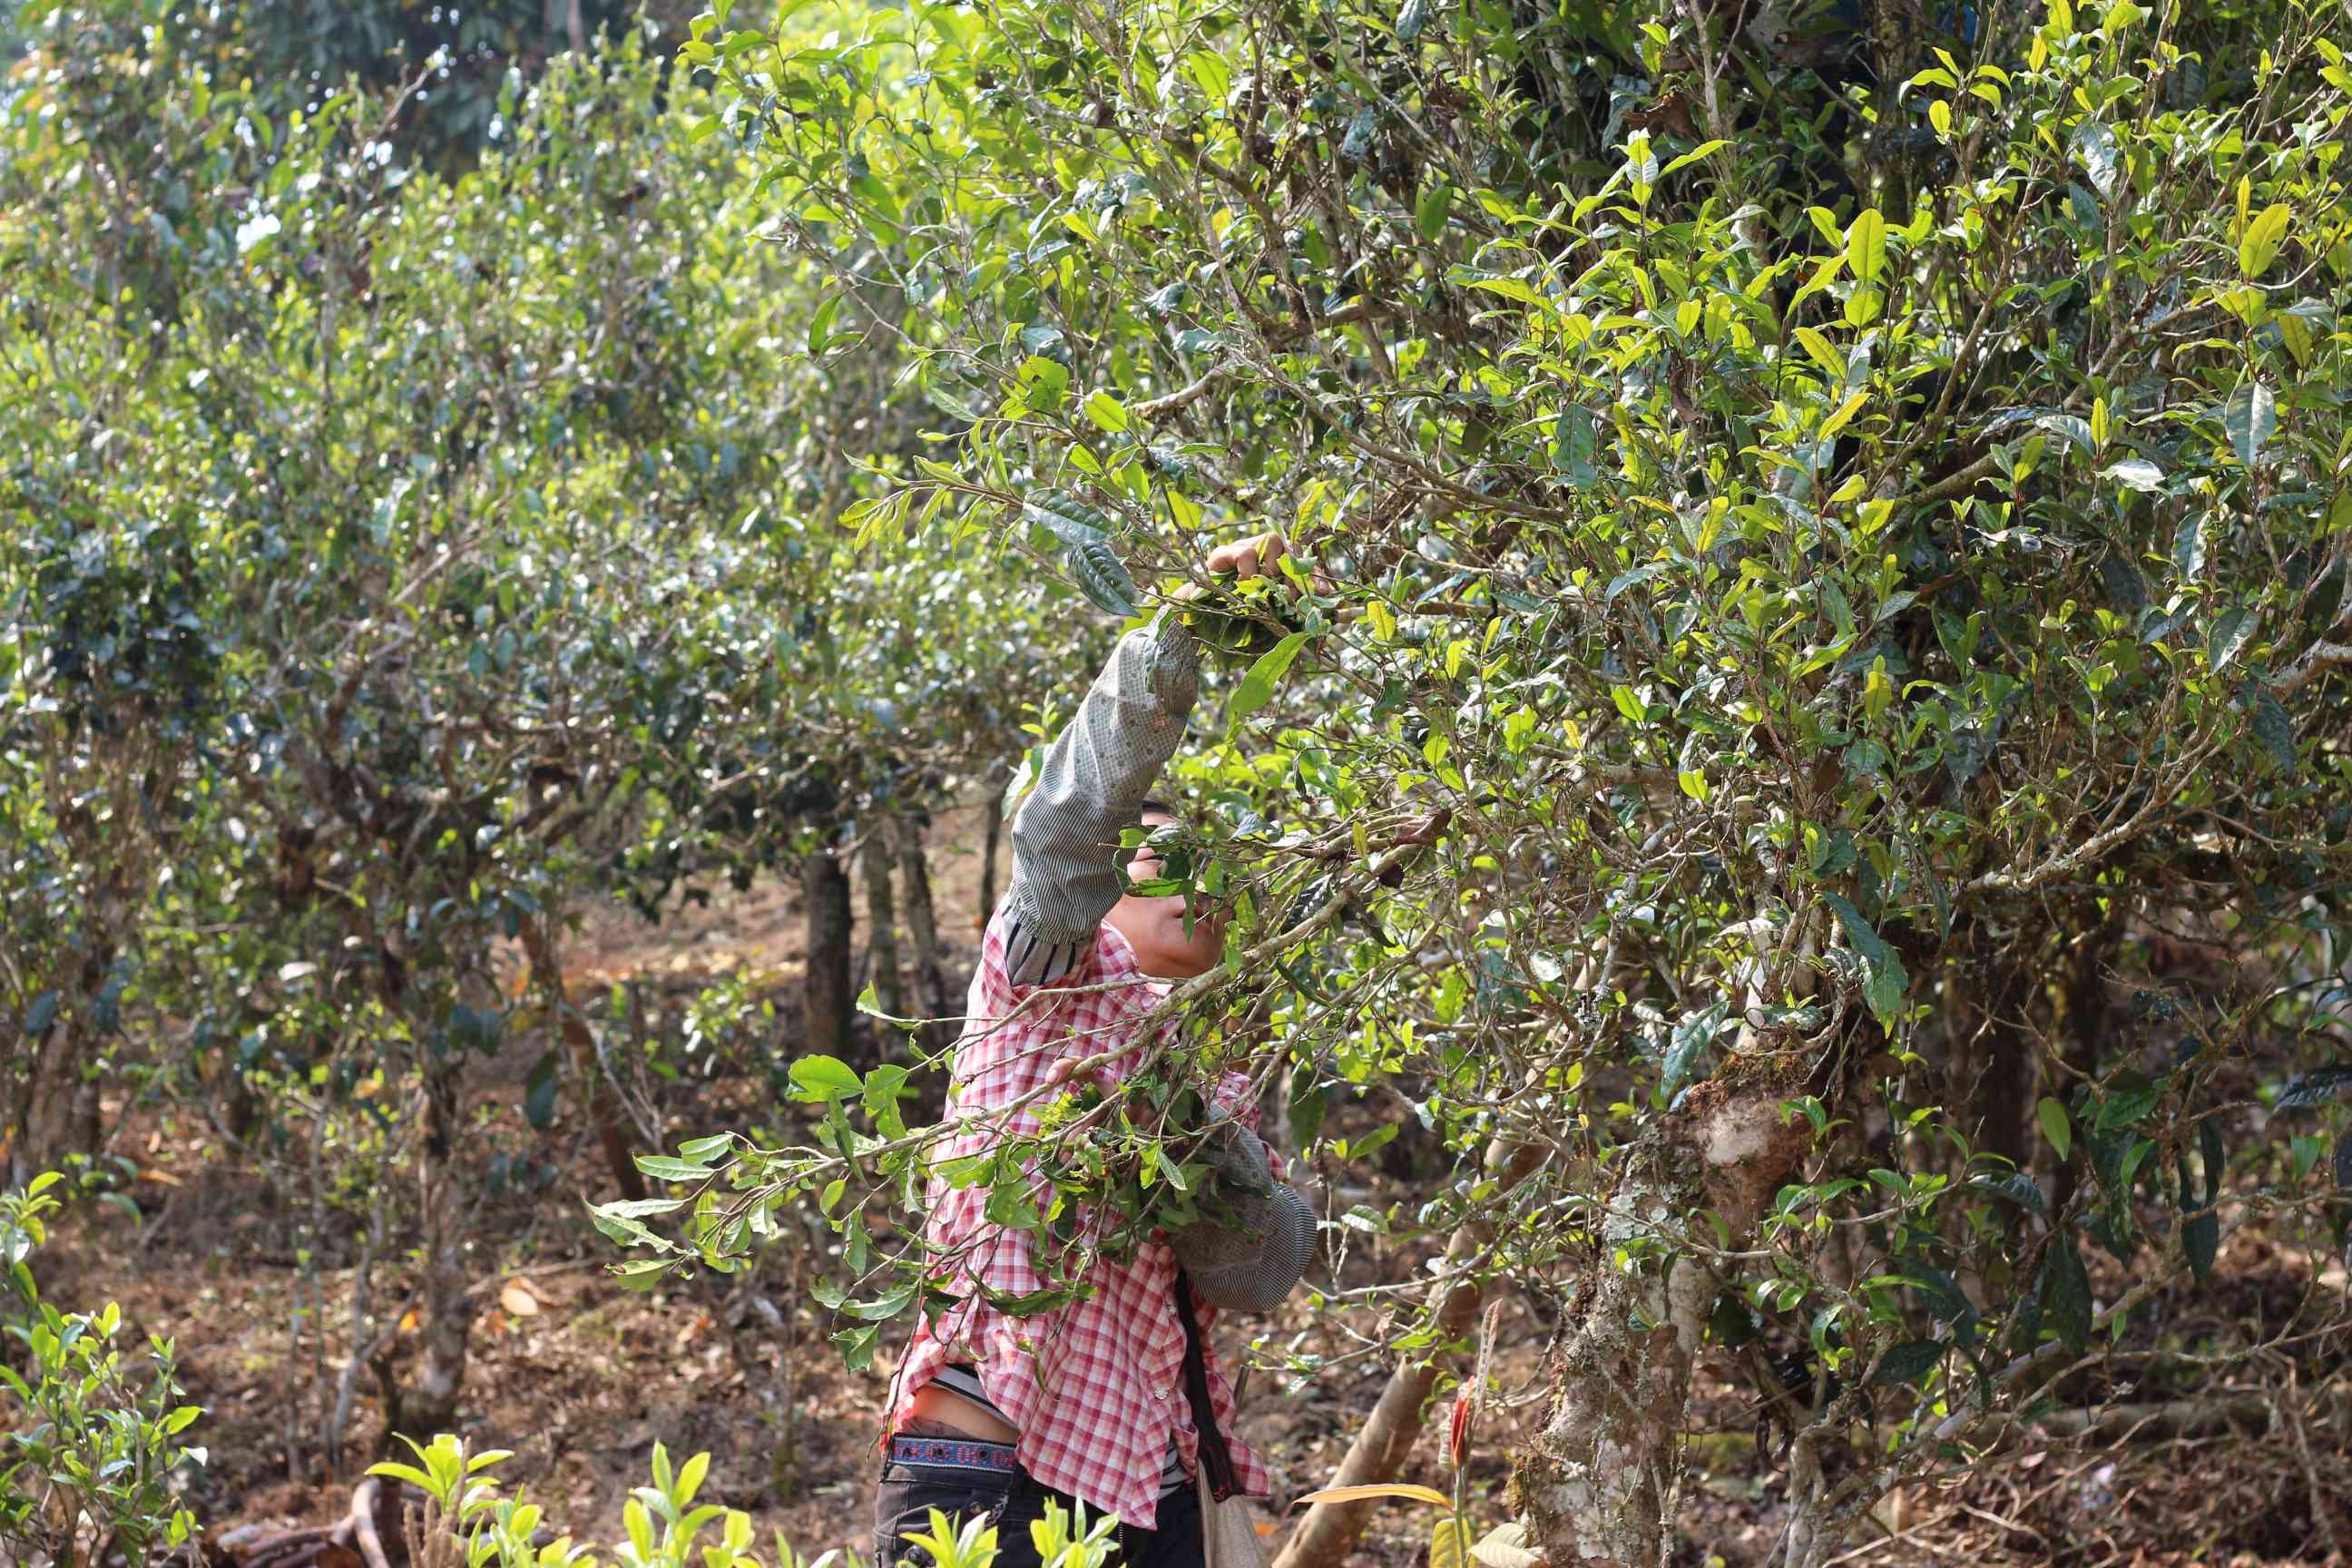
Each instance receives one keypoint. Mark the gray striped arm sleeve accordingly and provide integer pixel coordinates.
(1091, 786)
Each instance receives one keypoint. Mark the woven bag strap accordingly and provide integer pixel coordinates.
(1215, 1454)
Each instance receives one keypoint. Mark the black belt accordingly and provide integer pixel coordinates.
(956, 1453)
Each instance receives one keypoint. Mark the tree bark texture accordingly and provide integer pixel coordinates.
(580, 1044)
(828, 1004)
(927, 966)
(882, 923)
(429, 1403)
(992, 830)
(1599, 1484)
(56, 1111)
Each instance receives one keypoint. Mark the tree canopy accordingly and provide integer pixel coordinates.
(1803, 742)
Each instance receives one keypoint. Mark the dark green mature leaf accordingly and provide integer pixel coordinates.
(41, 1014)
(478, 1029)
(1310, 1101)
(2274, 730)
(1103, 579)
(539, 1092)
(1884, 979)
(2230, 634)
(1692, 1036)
(2017, 1187)
(2113, 1229)
(2127, 1101)
(2073, 428)
(1945, 1297)
(2125, 587)
(2066, 1293)
(1907, 1364)
(2200, 1226)
(2188, 546)
(2251, 417)
(2316, 1088)
(1731, 1322)
(1069, 518)
(2095, 147)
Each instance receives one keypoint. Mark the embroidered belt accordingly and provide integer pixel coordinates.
(961, 1453)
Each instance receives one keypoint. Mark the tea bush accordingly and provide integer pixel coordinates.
(1803, 741)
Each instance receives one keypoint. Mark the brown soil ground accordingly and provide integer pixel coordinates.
(581, 1378)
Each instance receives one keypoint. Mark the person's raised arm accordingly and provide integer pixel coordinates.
(1092, 783)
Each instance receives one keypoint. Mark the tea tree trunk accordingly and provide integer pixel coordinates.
(827, 1003)
(991, 829)
(1328, 1534)
(1599, 1483)
(429, 1403)
(604, 1106)
(923, 931)
(882, 923)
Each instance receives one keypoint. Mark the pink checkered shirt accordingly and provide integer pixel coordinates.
(1095, 1387)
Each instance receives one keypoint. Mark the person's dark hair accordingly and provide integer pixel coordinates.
(1149, 808)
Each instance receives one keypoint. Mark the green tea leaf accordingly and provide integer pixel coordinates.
(1904, 1365)
(818, 1080)
(2259, 245)
(1102, 578)
(1866, 245)
(1256, 688)
(2055, 1127)
(2250, 417)
(1884, 981)
(1069, 518)
(1429, 215)
(2065, 1294)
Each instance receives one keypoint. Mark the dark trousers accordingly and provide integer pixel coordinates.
(1013, 1500)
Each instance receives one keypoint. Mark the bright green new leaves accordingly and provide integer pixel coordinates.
(1257, 688)
(1866, 245)
(1107, 411)
(2259, 245)
(824, 1079)
(2055, 1126)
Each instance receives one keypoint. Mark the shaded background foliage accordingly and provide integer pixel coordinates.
(420, 489)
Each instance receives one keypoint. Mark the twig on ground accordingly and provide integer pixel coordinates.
(363, 1520)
